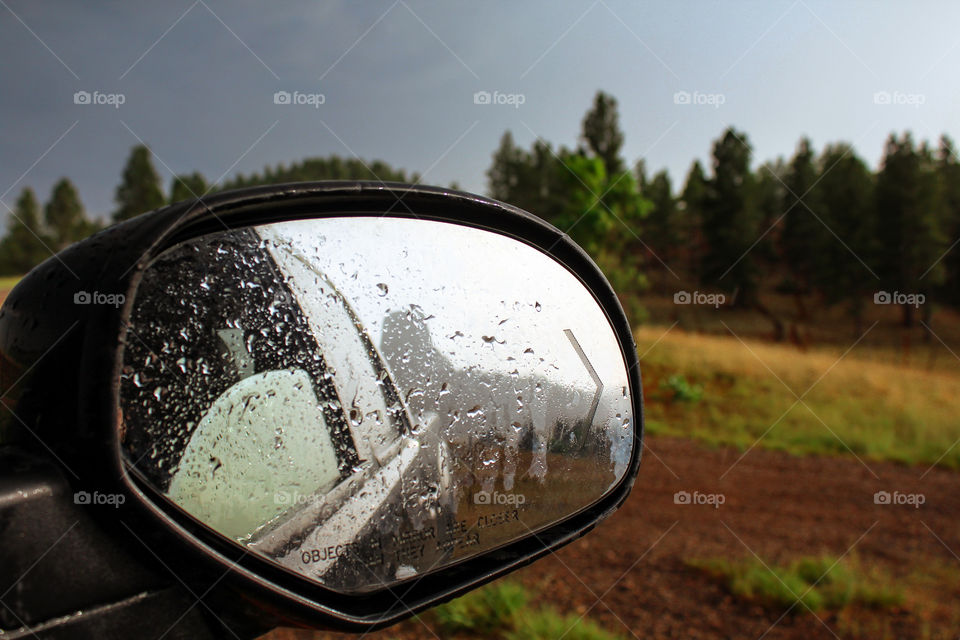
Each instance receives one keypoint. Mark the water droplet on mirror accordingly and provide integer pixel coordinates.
(356, 417)
(405, 571)
(476, 411)
(536, 306)
(383, 289)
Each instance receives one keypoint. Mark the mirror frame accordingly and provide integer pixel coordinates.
(78, 350)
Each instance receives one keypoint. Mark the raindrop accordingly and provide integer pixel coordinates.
(383, 288)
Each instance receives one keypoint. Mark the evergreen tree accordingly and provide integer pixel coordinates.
(601, 132)
(187, 187)
(504, 174)
(664, 229)
(692, 201)
(139, 190)
(25, 245)
(949, 174)
(640, 171)
(845, 194)
(329, 168)
(64, 217)
(909, 211)
(804, 236)
(770, 197)
(730, 221)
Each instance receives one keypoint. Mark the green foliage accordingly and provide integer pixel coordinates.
(601, 132)
(693, 200)
(821, 226)
(908, 206)
(484, 611)
(804, 238)
(730, 220)
(330, 168)
(846, 203)
(139, 190)
(818, 583)
(665, 227)
(682, 390)
(548, 624)
(604, 215)
(187, 187)
(66, 221)
(585, 193)
(500, 610)
(948, 173)
(25, 244)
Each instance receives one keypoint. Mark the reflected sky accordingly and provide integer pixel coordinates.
(472, 287)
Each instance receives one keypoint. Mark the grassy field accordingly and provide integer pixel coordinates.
(724, 390)
(502, 610)
(6, 284)
(807, 583)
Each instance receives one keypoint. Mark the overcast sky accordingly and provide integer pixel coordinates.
(398, 79)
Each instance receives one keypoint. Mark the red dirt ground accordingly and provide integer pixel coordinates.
(630, 573)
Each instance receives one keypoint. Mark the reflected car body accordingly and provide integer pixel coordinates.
(296, 484)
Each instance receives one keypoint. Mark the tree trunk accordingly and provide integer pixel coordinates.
(927, 320)
(907, 315)
(802, 314)
(778, 332)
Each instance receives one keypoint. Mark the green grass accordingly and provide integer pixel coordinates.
(484, 611)
(745, 390)
(8, 282)
(819, 583)
(548, 624)
(500, 610)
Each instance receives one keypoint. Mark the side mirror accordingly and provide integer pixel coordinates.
(339, 395)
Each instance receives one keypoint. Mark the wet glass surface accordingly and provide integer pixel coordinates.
(363, 400)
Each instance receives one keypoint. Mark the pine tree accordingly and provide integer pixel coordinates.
(25, 245)
(139, 190)
(909, 219)
(804, 236)
(845, 193)
(602, 134)
(730, 221)
(664, 231)
(64, 216)
(949, 174)
(692, 201)
(503, 176)
(187, 187)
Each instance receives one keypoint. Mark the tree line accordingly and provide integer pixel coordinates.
(819, 226)
(33, 235)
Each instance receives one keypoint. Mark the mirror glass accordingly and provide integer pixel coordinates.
(363, 400)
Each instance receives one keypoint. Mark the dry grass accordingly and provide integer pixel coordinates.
(853, 402)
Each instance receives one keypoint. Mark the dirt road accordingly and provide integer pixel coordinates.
(631, 576)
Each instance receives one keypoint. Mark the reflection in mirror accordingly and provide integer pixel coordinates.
(363, 400)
